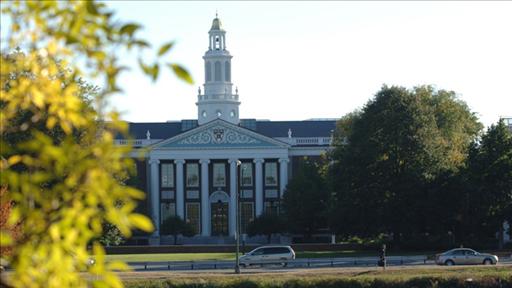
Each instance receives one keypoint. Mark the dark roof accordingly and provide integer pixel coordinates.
(307, 128)
(162, 130)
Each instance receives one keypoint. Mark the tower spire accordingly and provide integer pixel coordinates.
(218, 100)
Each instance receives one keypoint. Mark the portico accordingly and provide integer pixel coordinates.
(194, 176)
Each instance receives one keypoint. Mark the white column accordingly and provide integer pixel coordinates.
(154, 196)
(259, 187)
(180, 189)
(283, 175)
(233, 184)
(205, 198)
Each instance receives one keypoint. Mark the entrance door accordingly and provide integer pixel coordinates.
(219, 219)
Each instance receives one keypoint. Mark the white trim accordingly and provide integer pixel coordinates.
(206, 126)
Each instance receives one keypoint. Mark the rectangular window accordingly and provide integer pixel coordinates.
(192, 171)
(246, 174)
(271, 208)
(271, 193)
(193, 216)
(192, 194)
(271, 174)
(219, 175)
(246, 215)
(246, 194)
(167, 210)
(167, 175)
(168, 194)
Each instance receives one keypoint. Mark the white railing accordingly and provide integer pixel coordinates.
(136, 142)
(310, 141)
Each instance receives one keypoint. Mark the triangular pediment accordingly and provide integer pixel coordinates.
(219, 134)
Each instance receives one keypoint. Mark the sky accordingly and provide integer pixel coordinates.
(304, 60)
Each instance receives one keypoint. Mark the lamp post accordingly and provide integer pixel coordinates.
(237, 230)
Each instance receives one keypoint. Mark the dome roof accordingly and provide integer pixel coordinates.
(216, 24)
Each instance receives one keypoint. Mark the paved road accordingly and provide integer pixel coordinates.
(418, 260)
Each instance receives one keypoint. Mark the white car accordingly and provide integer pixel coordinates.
(465, 256)
(268, 255)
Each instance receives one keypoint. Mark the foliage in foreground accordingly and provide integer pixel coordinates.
(65, 188)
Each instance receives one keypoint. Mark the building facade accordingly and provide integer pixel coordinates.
(190, 167)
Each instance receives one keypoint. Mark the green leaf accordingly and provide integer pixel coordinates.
(154, 71)
(5, 239)
(91, 8)
(165, 48)
(181, 73)
(145, 68)
(129, 29)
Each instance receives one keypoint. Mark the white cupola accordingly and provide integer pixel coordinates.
(218, 100)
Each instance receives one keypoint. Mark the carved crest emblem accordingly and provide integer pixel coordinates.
(218, 135)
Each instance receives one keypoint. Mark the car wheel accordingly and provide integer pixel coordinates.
(487, 262)
(449, 263)
(243, 265)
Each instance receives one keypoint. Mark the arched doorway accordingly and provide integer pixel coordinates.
(219, 213)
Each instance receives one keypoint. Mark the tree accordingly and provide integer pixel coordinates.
(399, 142)
(65, 189)
(490, 172)
(265, 224)
(111, 236)
(175, 226)
(305, 200)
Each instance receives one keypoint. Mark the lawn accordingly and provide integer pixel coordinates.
(231, 256)
(436, 276)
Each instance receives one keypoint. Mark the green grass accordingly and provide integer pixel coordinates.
(231, 256)
(339, 277)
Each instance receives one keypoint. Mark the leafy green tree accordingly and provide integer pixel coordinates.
(490, 172)
(398, 143)
(305, 201)
(265, 224)
(111, 236)
(175, 226)
(64, 188)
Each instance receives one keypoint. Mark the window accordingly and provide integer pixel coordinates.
(271, 208)
(167, 194)
(192, 194)
(167, 210)
(208, 72)
(246, 194)
(246, 174)
(271, 174)
(271, 193)
(192, 175)
(246, 215)
(219, 175)
(219, 113)
(167, 174)
(217, 71)
(227, 71)
(193, 216)
(204, 114)
(232, 113)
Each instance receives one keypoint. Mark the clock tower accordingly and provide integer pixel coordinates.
(218, 99)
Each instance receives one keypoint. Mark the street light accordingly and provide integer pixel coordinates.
(237, 230)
